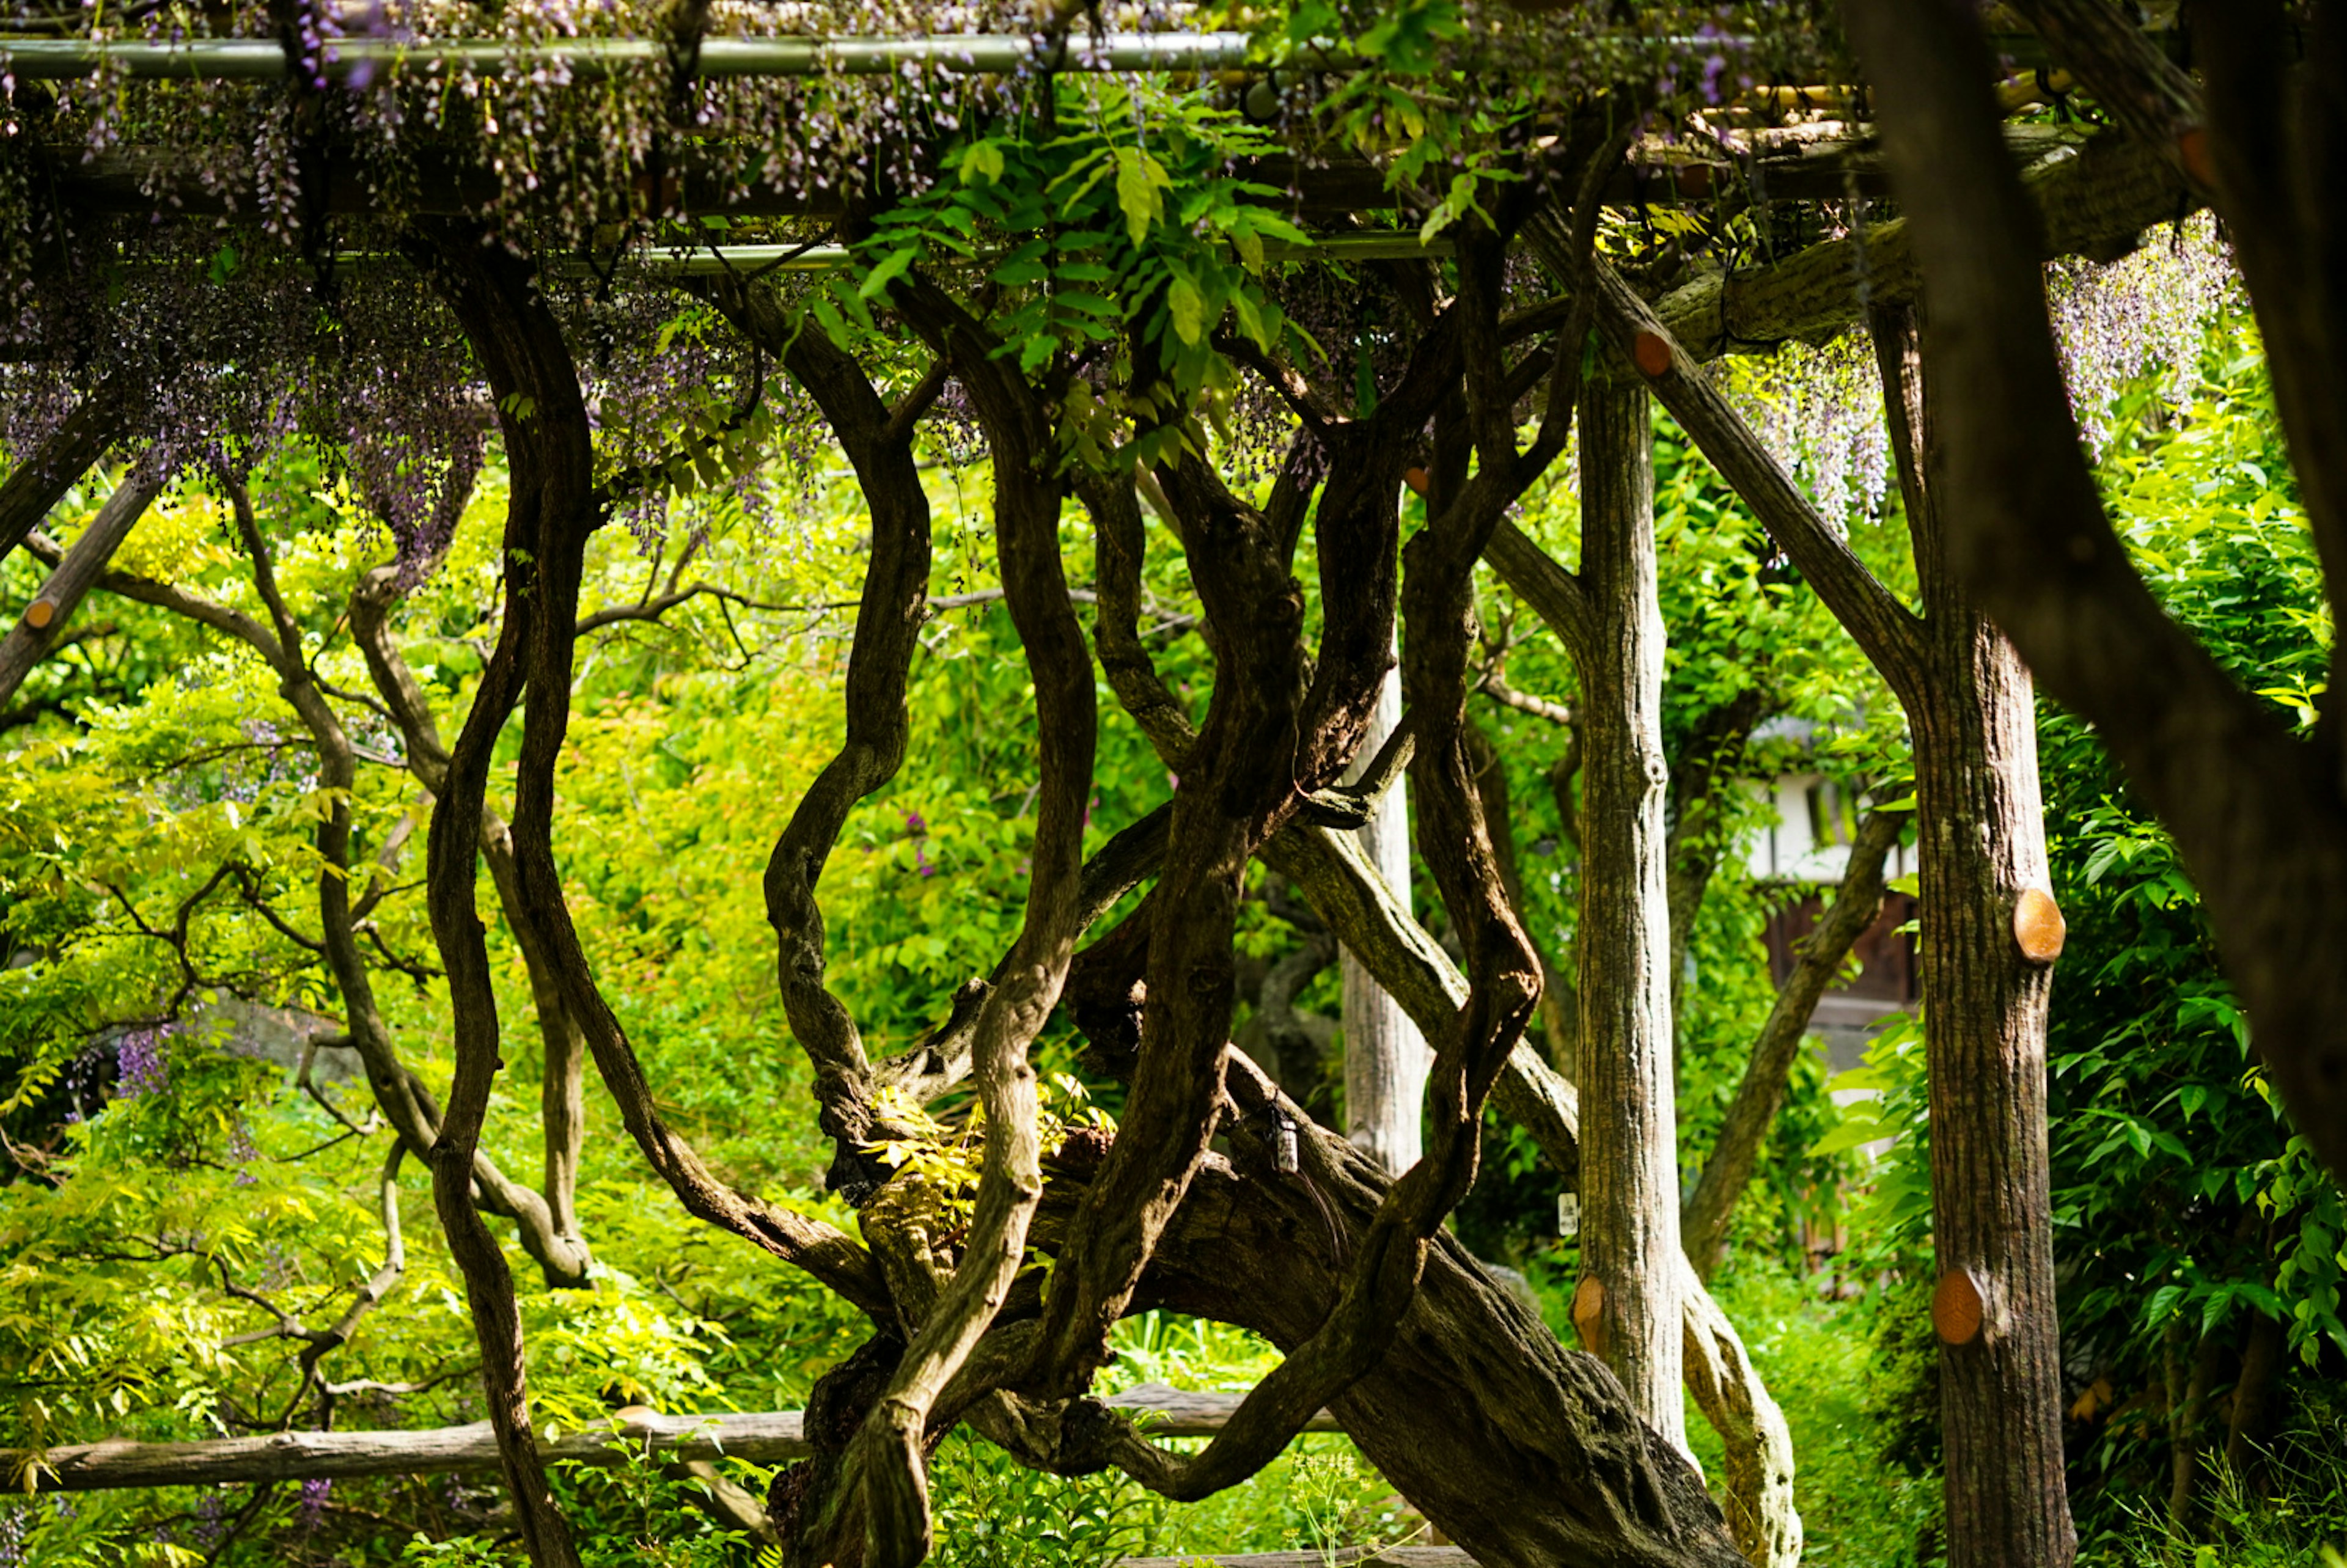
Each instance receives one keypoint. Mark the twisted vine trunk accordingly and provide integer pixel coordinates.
(553, 509)
(1626, 1307)
(1519, 1449)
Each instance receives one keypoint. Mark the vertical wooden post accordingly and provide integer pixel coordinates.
(1989, 935)
(1629, 1155)
(1386, 1056)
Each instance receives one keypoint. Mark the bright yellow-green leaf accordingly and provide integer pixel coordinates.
(1140, 185)
(1188, 307)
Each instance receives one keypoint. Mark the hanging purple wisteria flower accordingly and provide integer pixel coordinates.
(140, 1064)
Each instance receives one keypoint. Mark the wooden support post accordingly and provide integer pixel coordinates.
(1629, 1165)
(1386, 1056)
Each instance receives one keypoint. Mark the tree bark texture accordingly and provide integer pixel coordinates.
(1627, 1305)
(1386, 1056)
(1756, 1442)
(1518, 1449)
(1718, 1372)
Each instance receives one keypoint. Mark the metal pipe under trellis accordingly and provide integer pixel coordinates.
(591, 59)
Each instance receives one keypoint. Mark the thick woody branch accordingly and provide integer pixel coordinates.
(1472, 1052)
(549, 514)
(562, 1092)
(890, 1446)
(1241, 777)
(1351, 805)
(38, 627)
(554, 498)
(35, 485)
(1131, 674)
(888, 619)
(942, 1060)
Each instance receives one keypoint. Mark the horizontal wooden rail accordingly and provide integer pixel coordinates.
(768, 1438)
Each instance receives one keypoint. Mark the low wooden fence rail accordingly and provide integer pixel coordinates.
(767, 1437)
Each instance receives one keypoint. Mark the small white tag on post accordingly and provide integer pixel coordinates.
(1568, 1214)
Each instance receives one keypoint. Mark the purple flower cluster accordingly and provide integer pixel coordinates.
(314, 1501)
(917, 827)
(142, 1066)
(2142, 314)
(242, 1150)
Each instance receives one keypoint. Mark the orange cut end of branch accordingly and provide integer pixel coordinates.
(1957, 1307)
(1589, 1313)
(1416, 478)
(2038, 926)
(39, 613)
(1651, 354)
(2192, 151)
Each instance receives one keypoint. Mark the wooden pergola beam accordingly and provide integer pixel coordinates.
(141, 181)
(2093, 202)
(2096, 201)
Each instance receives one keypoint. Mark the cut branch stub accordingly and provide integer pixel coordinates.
(39, 613)
(1652, 353)
(2193, 152)
(1959, 1307)
(2037, 926)
(1588, 1313)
